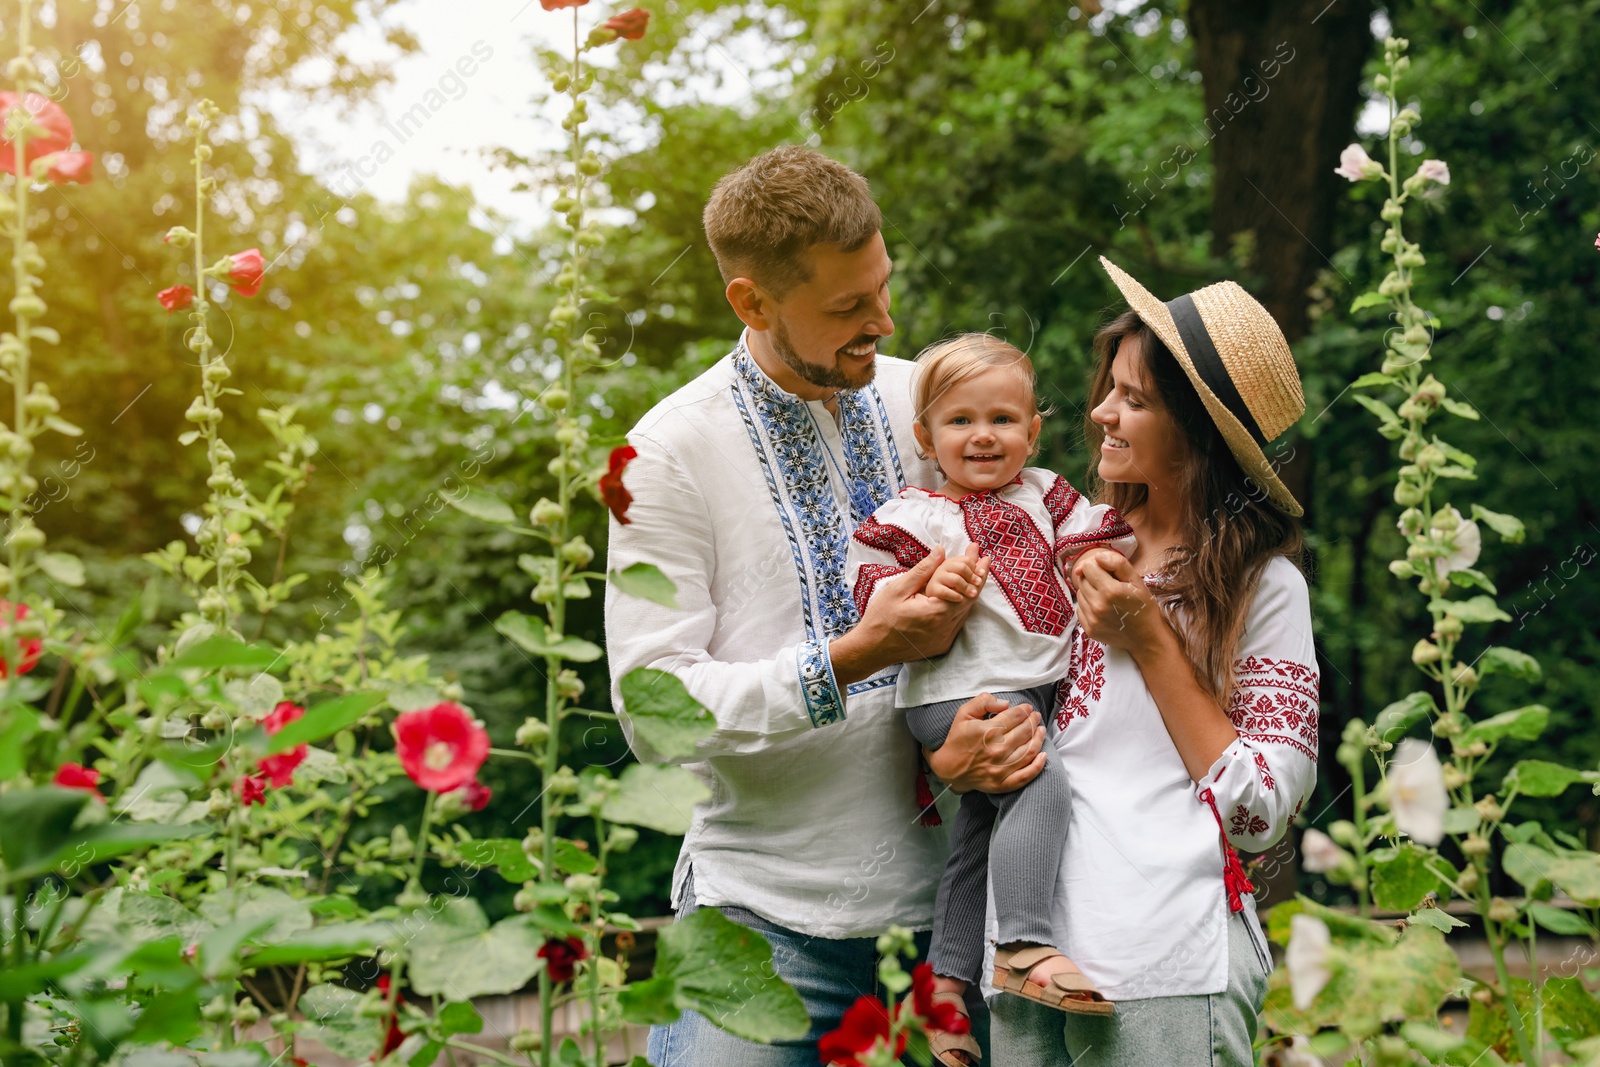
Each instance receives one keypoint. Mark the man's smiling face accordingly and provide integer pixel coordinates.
(825, 331)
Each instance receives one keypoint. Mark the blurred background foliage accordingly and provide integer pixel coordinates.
(1009, 143)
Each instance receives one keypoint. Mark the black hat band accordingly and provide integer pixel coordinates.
(1203, 354)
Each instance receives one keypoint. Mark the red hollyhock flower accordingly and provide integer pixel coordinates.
(71, 167)
(57, 135)
(557, 5)
(281, 716)
(77, 776)
(476, 795)
(864, 1027)
(393, 1038)
(441, 748)
(629, 25)
(561, 956)
(279, 767)
(252, 789)
(176, 298)
(612, 491)
(943, 1016)
(29, 648)
(245, 270)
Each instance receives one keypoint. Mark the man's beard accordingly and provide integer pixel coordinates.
(832, 377)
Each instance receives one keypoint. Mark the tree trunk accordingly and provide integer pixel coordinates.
(1281, 80)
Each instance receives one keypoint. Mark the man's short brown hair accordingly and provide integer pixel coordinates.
(762, 217)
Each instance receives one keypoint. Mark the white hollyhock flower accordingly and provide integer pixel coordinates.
(1463, 537)
(1417, 797)
(1356, 165)
(1319, 854)
(1307, 958)
(1297, 1053)
(1435, 170)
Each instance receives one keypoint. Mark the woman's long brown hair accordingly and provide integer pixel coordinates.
(1230, 530)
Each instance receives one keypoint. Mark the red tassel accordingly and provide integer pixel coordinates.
(930, 814)
(1234, 878)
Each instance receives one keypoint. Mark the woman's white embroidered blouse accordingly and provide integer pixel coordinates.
(1142, 906)
(1018, 634)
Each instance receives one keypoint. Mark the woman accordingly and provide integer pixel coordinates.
(1189, 721)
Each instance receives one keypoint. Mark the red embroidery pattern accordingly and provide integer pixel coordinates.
(1020, 562)
(907, 550)
(1275, 700)
(1112, 526)
(1060, 499)
(1246, 823)
(1234, 880)
(1085, 680)
(867, 579)
(1267, 782)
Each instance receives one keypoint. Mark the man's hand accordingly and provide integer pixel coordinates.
(991, 755)
(904, 623)
(1115, 607)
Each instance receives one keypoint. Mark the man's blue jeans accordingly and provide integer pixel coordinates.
(828, 974)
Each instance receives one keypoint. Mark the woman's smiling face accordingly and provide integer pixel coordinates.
(982, 430)
(1143, 444)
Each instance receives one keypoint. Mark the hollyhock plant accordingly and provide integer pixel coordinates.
(475, 795)
(630, 25)
(1355, 165)
(561, 955)
(940, 1015)
(279, 767)
(442, 747)
(281, 715)
(612, 491)
(77, 776)
(1320, 854)
(29, 648)
(1417, 796)
(54, 132)
(252, 789)
(865, 1027)
(244, 270)
(1307, 958)
(75, 167)
(1434, 170)
(557, 5)
(176, 297)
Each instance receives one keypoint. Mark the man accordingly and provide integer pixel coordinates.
(748, 483)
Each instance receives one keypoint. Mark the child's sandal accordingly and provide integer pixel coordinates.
(1068, 991)
(942, 1043)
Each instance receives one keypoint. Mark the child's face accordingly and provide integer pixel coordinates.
(982, 431)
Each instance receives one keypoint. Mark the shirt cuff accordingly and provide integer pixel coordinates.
(1235, 751)
(824, 699)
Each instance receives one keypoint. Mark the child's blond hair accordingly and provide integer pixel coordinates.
(946, 364)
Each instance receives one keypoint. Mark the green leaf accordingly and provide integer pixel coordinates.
(504, 854)
(334, 1014)
(1497, 659)
(1402, 881)
(218, 651)
(459, 1017)
(575, 860)
(1570, 1010)
(1507, 526)
(1467, 576)
(286, 916)
(1560, 921)
(483, 505)
(665, 719)
(1368, 300)
(1372, 378)
(426, 1055)
(724, 971)
(1540, 778)
(1437, 918)
(530, 633)
(1461, 820)
(1524, 724)
(651, 1002)
(1466, 459)
(1456, 407)
(1395, 720)
(660, 798)
(36, 834)
(1384, 412)
(1456, 471)
(331, 942)
(645, 580)
(1473, 609)
(458, 955)
(324, 720)
(1575, 873)
(62, 426)
(18, 722)
(188, 437)
(61, 567)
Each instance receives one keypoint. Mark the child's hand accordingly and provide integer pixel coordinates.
(959, 578)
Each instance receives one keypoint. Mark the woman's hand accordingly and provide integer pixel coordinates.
(1115, 607)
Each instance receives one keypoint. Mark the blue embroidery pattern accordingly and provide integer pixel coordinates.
(792, 457)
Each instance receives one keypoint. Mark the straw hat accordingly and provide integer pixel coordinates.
(1233, 351)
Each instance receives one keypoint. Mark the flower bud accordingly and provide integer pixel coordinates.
(1402, 569)
(412, 896)
(1477, 748)
(1344, 832)
(532, 733)
(562, 205)
(216, 1009)
(621, 838)
(1432, 388)
(1431, 457)
(1424, 651)
(589, 164)
(1411, 522)
(27, 537)
(555, 398)
(1502, 910)
(582, 884)
(527, 1040)
(1449, 627)
(1468, 879)
(1447, 725)
(1454, 777)
(1410, 410)
(563, 783)
(400, 844)
(1475, 846)
(1408, 449)
(533, 844)
(27, 305)
(1445, 519)
(1464, 676)
(577, 552)
(545, 513)
(215, 719)
(560, 81)
(1489, 809)
(568, 685)
(1408, 494)
(245, 1013)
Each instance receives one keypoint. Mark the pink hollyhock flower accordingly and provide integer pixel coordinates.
(612, 491)
(70, 167)
(1435, 170)
(281, 716)
(442, 747)
(56, 137)
(77, 776)
(252, 789)
(176, 298)
(28, 649)
(1356, 165)
(561, 956)
(1597, 241)
(244, 271)
(629, 25)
